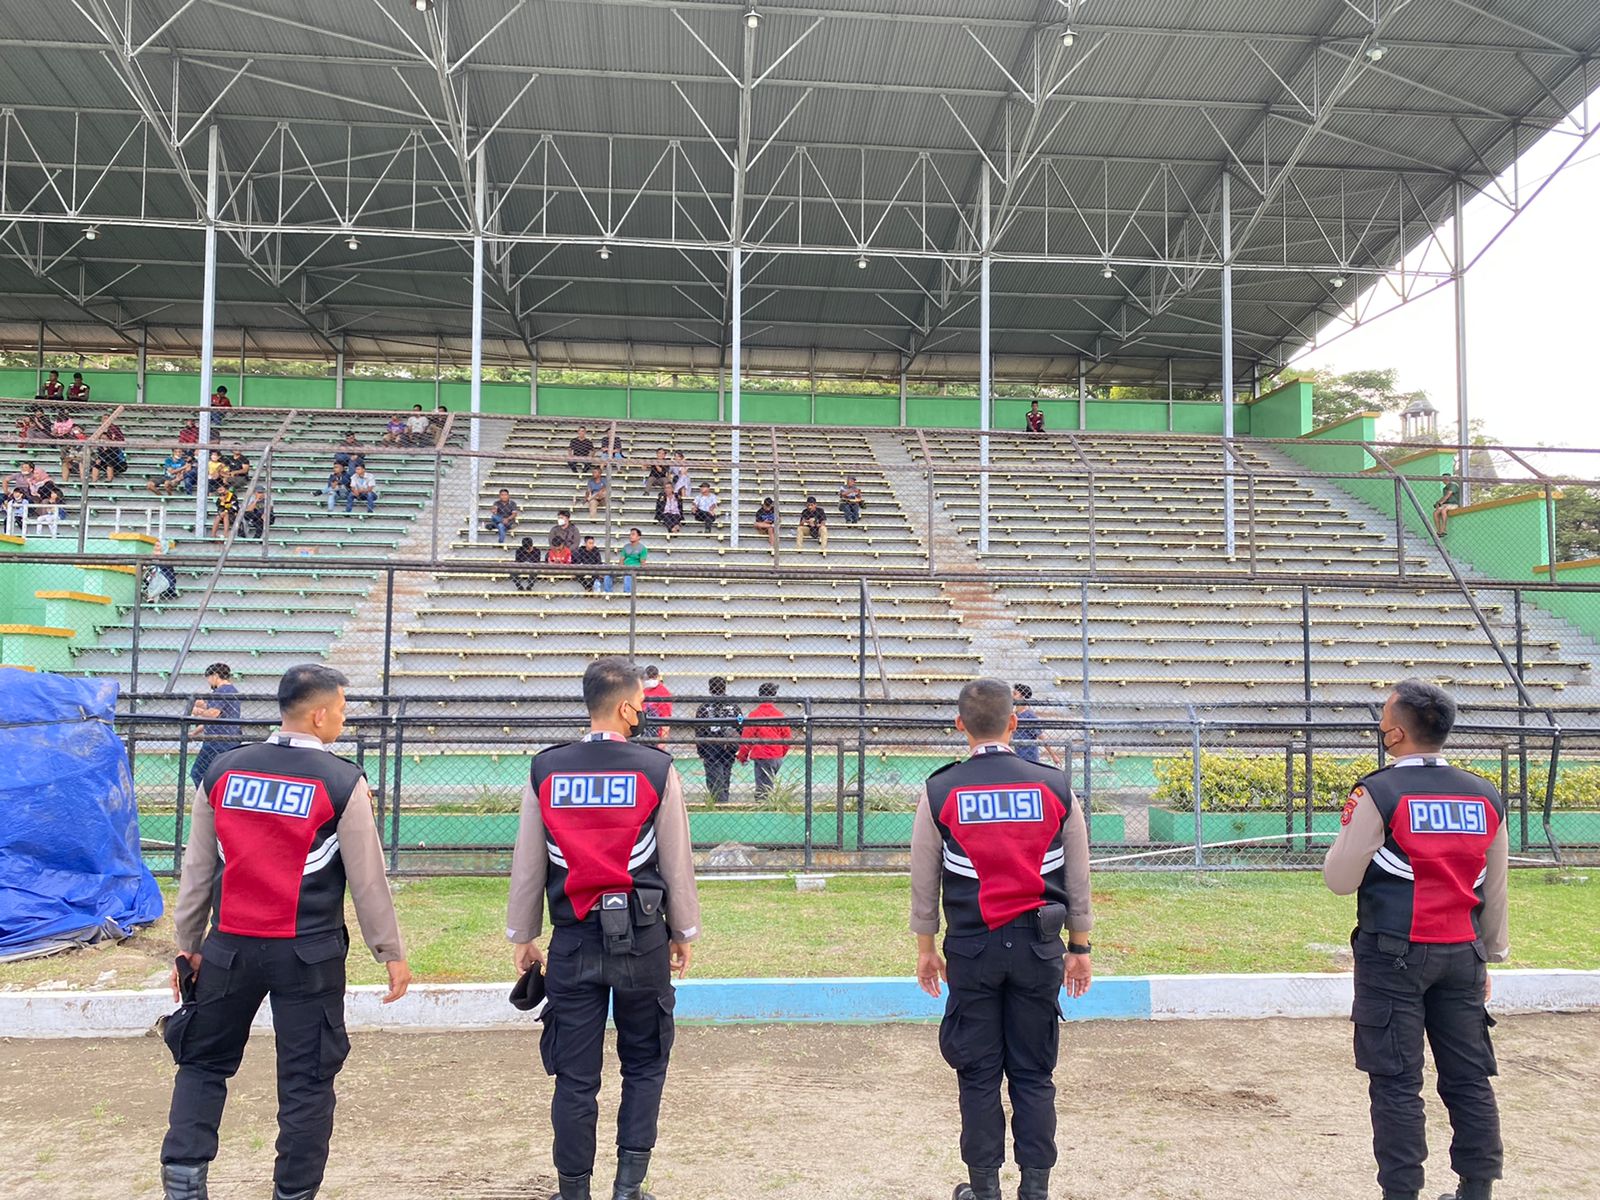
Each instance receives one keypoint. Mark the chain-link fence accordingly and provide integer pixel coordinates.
(820, 784)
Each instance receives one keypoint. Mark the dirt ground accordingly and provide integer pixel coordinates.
(1263, 1110)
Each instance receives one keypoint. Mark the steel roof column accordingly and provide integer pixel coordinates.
(1463, 428)
(533, 383)
(140, 363)
(735, 397)
(338, 374)
(476, 404)
(1227, 359)
(1083, 397)
(208, 328)
(985, 382)
(902, 392)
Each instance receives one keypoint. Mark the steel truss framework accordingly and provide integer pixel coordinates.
(894, 192)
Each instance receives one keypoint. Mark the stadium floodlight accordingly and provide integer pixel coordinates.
(1337, 281)
(861, 263)
(353, 242)
(1068, 36)
(422, 6)
(752, 19)
(1108, 271)
(1375, 52)
(90, 232)
(605, 251)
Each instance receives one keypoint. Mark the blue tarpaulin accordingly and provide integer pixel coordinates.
(70, 868)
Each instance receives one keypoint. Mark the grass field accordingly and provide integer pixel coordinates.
(1145, 924)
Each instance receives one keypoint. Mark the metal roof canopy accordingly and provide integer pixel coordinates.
(817, 137)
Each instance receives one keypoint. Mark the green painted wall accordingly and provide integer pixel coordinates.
(369, 394)
(560, 400)
(670, 404)
(17, 382)
(1282, 413)
(1359, 428)
(504, 398)
(276, 391)
(1506, 541)
(858, 410)
(1581, 608)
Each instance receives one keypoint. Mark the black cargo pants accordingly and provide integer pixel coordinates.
(1403, 990)
(303, 977)
(1002, 1017)
(580, 981)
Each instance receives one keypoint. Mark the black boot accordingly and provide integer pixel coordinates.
(632, 1167)
(1035, 1184)
(180, 1181)
(573, 1187)
(1388, 1195)
(309, 1193)
(1471, 1189)
(983, 1184)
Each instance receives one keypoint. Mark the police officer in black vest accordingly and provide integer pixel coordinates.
(604, 840)
(279, 829)
(1423, 845)
(1006, 843)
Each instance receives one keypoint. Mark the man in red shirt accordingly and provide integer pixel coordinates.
(1035, 419)
(52, 387)
(764, 740)
(78, 393)
(657, 704)
(189, 435)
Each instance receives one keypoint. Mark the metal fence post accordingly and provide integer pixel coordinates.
(472, 515)
(1083, 642)
(810, 761)
(394, 800)
(1305, 645)
(1399, 531)
(633, 613)
(1550, 528)
(388, 635)
(1199, 825)
(83, 502)
(179, 800)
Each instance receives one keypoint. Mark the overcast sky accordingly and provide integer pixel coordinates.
(1532, 353)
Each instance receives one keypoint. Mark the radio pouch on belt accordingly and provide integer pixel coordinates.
(647, 906)
(1052, 919)
(616, 922)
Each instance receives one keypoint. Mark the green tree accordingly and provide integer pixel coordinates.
(1337, 397)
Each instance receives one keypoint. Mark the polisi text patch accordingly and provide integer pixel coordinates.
(981, 806)
(599, 790)
(269, 794)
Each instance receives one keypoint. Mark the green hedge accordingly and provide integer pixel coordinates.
(1251, 783)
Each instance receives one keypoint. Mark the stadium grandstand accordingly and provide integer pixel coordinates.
(474, 244)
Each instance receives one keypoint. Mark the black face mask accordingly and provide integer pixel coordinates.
(633, 726)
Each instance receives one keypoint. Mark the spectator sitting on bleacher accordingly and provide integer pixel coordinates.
(417, 426)
(53, 389)
(78, 393)
(363, 487)
(681, 483)
(813, 520)
(254, 518)
(598, 490)
(588, 555)
(227, 510)
(35, 427)
(767, 522)
(215, 471)
(526, 553)
(107, 462)
(161, 581)
(611, 450)
(338, 486)
(1035, 425)
(850, 501)
(66, 431)
(564, 532)
(706, 507)
(559, 552)
(394, 433)
(219, 404)
(633, 555)
(235, 469)
(346, 454)
(175, 470)
(16, 509)
(1449, 500)
(504, 515)
(657, 473)
(189, 432)
(669, 511)
(764, 741)
(580, 453)
(436, 423)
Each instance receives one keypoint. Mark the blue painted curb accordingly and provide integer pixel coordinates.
(867, 999)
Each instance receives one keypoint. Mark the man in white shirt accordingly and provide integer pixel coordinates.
(362, 487)
(705, 507)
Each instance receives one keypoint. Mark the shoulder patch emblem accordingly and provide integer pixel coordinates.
(1349, 808)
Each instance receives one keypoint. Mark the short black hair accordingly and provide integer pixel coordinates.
(527, 543)
(1022, 690)
(222, 389)
(302, 684)
(505, 491)
(1427, 711)
(562, 512)
(717, 685)
(605, 680)
(588, 537)
(637, 530)
(767, 689)
(985, 705)
(811, 499)
(77, 374)
(416, 408)
(652, 672)
(220, 669)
